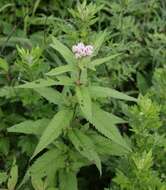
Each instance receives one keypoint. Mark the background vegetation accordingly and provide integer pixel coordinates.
(86, 151)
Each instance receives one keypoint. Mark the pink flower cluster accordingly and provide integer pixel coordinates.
(80, 50)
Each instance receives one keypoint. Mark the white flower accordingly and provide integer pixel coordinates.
(80, 50)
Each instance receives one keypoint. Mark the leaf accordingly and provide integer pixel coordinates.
(103, 92)
(30, 127)
(12, 181)
(50, 94)
(100, 37)
(40, 83)
(85, 146)
(65, 80)
(68, 180)
(60, 70)
(105, 146)
(142, 84)
(104, 124)
(37, 183)
(4, 145)
(63, 50)
(60, 121)
(48, 163)
(4, 65)
(84, 100)
(100, 61)
(3, 177)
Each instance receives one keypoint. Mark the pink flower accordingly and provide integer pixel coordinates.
(80, 50)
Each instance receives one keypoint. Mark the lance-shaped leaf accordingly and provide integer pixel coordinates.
(49, 161)
(60, 121)
(50, 94)
(85, 146)
(100, 61)
(67, 180)
(84, 100)
(30, 127)
(12, 181)
(41, 83)
(105, 146)
(63, 50)
(60, 70)
(104, 92)
(104, 124)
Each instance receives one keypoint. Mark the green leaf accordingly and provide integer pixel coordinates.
(60, 121)
(105, 146)
(37, 183)
(103, 92)
(4, 145)
(40, 83)
(60, 70)
(65, 80)
(63, 50)
(3, 177)
(142, 84)
(84, 100)
(4, 65)
(85, 146)
(50, 94)
(30, 127)
(12, 181)
(68, 180)
(100, 37)
(47, 164)
(104, 124)
(100, 61)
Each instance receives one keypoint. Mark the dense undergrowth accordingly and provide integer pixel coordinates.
(83, 120)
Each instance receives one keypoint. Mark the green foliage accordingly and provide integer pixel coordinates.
(71, 123)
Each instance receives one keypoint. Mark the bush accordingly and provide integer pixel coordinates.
(82, 95)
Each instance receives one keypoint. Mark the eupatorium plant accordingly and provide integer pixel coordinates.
(80, 132)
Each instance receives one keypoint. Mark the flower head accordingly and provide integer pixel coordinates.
(80, 50)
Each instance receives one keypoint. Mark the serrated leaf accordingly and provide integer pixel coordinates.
(100, 61)
(41, 83)
(60, 121)
(85, 146)
(50, 94)
(12, 181)
(48, 163)
(60, 70)
(63, 50)
(84, 100)
(30, 127)
(103, 92)
(68, 180)
(104, 124)
(105, 146)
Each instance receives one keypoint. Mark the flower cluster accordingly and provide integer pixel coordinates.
(80, 50)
